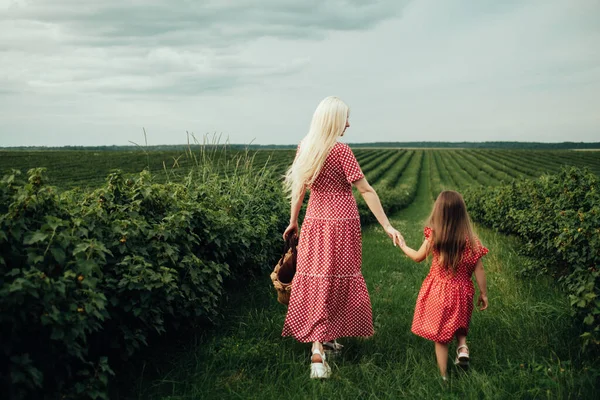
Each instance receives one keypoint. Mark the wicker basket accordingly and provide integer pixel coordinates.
(284, 290)
(284, 271)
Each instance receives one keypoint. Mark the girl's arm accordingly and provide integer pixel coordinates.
(417, 255)
(372, 200)
(296, 206)
(482, 301)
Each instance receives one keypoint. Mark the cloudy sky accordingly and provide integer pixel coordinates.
(76, 72)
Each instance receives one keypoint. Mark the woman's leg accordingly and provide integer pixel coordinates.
(319, 369)
(441, 353)
(316, 358)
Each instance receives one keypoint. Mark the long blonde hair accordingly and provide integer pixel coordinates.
(451, 227)
(328, 123)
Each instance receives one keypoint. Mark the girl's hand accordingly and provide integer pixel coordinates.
(394, 235)
(482, 302)
(292, 229)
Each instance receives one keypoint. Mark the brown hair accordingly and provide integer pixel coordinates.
(451, 227)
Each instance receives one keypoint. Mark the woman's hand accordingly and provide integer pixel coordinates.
(394, 235)
(292, 229)
(482, 302)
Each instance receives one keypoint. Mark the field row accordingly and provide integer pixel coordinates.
(383, 167)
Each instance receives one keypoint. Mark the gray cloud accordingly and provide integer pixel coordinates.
(227, 19)
(178, 47)
(78, 72)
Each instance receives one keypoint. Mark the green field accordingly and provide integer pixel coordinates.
(523, 346)
(87, 168)
(456, 168)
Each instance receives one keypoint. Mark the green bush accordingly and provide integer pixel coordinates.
(558, 218)
(87, 275)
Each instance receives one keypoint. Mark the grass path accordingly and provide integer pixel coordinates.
(521, 347)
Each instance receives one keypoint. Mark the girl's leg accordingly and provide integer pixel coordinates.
(441, 353)
(462, 351)
(462, 341)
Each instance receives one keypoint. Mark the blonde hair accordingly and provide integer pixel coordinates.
(328, 123)
(452, 228)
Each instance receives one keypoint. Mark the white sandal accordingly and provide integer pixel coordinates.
(319, 370)
(333, 346)
(462, 357)
(332, 349)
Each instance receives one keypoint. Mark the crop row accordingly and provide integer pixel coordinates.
(557, 216)
(377, 172)
(397, 186)
(457, 168)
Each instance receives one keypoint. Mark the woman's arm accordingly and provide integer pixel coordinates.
(296, 206)
(372, 200)
(417, 255)
(482, 301)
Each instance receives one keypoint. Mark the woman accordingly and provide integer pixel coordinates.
(329, 297)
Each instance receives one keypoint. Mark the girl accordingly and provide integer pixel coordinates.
(329, 298)
(445, 301)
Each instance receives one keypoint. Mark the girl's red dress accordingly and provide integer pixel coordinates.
(329, 297)
(445, 301)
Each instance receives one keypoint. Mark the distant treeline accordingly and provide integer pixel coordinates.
(449, 145)
(486, 145)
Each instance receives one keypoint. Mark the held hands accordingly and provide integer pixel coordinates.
(482, 302)
(394, 235)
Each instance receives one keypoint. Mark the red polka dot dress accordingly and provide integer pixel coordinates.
(329, 297)
(445, 302)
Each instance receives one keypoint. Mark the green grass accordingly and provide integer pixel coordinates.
(69, 169)
(523, 346)
(89, 168)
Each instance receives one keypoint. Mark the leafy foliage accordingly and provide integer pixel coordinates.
(88, 275)
(558, 218)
